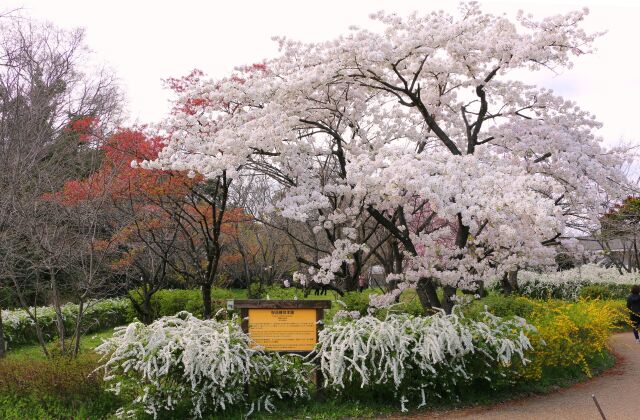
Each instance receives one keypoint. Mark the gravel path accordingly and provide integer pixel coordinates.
(617, 391)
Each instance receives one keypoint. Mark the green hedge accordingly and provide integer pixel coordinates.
(169, 302)
(503, 306)
(108, 313)
(19, 328)
(610, 291)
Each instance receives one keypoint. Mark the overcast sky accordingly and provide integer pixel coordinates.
(144, 41)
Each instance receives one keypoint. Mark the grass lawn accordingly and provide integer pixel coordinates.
(34, 352)
(32, 386)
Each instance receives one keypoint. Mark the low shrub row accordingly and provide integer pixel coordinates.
(56, 388)
(416, 360)
(591, 273)
(169, 302)
(210, 365)
(185, 363)
(19, 328)
(610, 291)
(60, 377)
(568, 290)
(184, 367)
(569, 334)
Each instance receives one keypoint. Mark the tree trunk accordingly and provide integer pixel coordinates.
(2, 345)
(350, 283)
(635, 255)
(206, 300)
(147, 316)
(32, 315)
(510, 282)
(427, 294)
(447, 299)
(43, 343)
(57, 307)
(78, 331)
(143, 309)
(479, 290)
(462, 236)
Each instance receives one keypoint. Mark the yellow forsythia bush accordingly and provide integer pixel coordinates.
(570, 333)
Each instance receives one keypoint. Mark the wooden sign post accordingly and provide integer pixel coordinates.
(288, 326)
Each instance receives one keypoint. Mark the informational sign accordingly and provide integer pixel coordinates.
(282, 329)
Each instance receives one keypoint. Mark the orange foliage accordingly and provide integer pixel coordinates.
(83, 127)
(120, 179)
(144, 192)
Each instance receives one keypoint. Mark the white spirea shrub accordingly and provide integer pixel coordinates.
(208, 363)
(591, 273)
(422, 357)
(570, 284)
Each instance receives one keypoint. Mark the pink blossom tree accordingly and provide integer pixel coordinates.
(420, 131)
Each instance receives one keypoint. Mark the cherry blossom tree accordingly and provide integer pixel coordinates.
(420, 131)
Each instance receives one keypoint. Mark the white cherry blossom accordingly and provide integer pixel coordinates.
(419, 131)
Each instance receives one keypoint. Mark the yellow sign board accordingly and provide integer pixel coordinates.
(283, 329)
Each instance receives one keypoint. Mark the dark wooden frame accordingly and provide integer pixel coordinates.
(319, 305)
(245, 304)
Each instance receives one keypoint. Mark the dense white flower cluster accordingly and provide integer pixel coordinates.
(344, 314)
(537, 289)
(417, 132)
(422, 356)
(591, 273)
(585, 281)
(208, 363)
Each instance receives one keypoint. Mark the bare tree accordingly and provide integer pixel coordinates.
(146, 246)
(50, 99)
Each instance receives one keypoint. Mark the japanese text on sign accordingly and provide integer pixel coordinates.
(283, 329)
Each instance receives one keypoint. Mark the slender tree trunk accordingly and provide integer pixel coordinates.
(350, 284)
(461, 241)
(58, 309)
(148, 315)
(635, 254)
(2, 345)
(506, 286)
(427, 294)
(480, 290)
(510, 282)
(78, 330)
(447, 299)
(513, 279)
(32, 315)
(136, 306)
(143, 309)
(206, 300)
(41, 340)
(245, 263)
(350, 281)
(397, 267)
